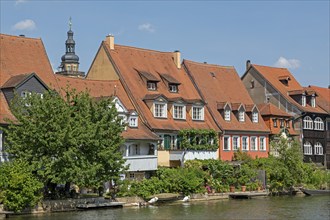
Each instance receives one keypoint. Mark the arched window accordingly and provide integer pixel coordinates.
(308, 123)
(318, 124)
(318, 148)
(308, 148)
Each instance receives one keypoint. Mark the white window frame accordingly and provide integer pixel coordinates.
(241, 115)
(236, 143)
(162, 112)
(255, 117)
(318, 148)
(308, 148)
(303, 100)
(226, 148)
(227, 114)
(262, 143)
(151, 85)
(308, 123)
(247, 143)
(25, 94)
(313, 101)
(318, 124)
(200, 114)
(133, 121)
(255, 147)
(175, 114)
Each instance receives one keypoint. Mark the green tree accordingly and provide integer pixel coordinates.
(18, 186)
(71, 139)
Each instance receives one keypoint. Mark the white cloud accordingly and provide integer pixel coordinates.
(17, 2)
(27, 24)
(288, 63)
(146, 27)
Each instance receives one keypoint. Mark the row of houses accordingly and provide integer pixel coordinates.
(160, 95)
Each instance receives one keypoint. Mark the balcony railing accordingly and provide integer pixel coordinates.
(141, 162)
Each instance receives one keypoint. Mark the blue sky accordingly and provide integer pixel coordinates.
(291, 34)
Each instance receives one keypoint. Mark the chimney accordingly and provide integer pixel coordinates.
(111, 41)
(177, 59)
(248, 64)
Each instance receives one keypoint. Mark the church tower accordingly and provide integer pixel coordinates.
(70, 61)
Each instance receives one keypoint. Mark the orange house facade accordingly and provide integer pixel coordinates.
(231, 108)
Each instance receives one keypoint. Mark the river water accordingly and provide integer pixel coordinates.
(311, 208)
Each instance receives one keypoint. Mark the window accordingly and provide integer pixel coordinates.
(227, 115)
(313, 101)
(303, 100)
(179, 112)
(236, 143)
(241, 116)
(134, 149)
(40, 95)
(318, 124)
(318, 148)
(253, 143)
(197, 113)
(133, 121)
(255, 117)
(151, 85)
(307, 148)
(245, 143)
(308, 123)
(167, 142)
(281, 123)
(25, 94)
(262, 143)
(226, 143)
(287, 123)
(173, 88)
(160, 110)
(274, 122)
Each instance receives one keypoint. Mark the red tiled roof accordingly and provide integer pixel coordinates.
(129, 59)
(5, 112)
(21, 55)
(270, 109)
(323, 97)
(219, 85)
(272, 75)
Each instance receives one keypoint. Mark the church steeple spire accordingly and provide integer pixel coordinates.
(70, 61)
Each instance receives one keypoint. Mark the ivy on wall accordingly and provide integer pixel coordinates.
(198, 139)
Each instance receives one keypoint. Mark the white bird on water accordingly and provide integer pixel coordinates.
(153, 200)
(186, 199)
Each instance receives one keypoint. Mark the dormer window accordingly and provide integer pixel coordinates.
(133, 121)
(173, 88)
(303, 100)
(241, 115)
(313, 101)
(284, 80)
(255, 117)
(151, 85)
(179, 111)
(227, 114)
(198, 113)
(160, 110)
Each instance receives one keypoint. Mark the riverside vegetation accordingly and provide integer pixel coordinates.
(76, 139)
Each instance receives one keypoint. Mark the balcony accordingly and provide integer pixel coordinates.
(141, 162)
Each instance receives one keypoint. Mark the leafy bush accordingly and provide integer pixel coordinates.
(18, 186)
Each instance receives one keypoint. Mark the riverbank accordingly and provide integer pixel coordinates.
(67, 205)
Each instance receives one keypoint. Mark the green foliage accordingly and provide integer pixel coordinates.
(71, 139)
(198, 139)
(18, 186)
(246, 174)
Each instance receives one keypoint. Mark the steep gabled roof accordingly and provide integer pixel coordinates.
(274, 75)
(20, 55)
(323, 99)
(129, 59)
(221, 86)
